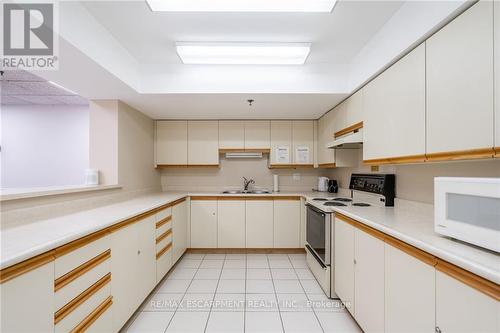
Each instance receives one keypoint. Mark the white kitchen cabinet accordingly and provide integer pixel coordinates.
(326, 157)
(203, 223)
(124, 274)
(344, 263)
(203, 142)
(231, 223)
(231, 134)
(259, 223)
(281, 138)
(355, 109)
(257, 134)
(339, 117)
(369, 281)
(394, 124)
(287, 223)
(179, 230)
(460, 308)
(302, 142)
(409, 293)
(146, 260)
(171, 142)
(28, 301)
(459, 60)
(496, 7)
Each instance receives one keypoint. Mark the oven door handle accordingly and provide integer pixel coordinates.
(309, 206)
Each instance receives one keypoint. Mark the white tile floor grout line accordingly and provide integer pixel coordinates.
(275, 295)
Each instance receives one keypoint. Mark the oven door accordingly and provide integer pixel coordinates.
(318, 235)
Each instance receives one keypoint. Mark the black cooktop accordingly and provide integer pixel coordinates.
(361, 204)
(320, 199)
(342, 199)
(333, 203)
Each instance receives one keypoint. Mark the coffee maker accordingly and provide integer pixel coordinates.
(333, 186)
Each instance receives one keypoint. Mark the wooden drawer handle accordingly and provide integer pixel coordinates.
(80, 270)
(163, 251)
(163, 236)
(78, 300)
(162, 222)
(93, 316)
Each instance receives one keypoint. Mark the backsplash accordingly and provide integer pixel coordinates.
(229, 176)
(415, 182)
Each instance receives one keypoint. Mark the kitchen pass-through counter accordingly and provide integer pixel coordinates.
(409, 222)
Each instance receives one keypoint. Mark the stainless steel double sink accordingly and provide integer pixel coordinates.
(246, 192)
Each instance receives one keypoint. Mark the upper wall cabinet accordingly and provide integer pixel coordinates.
(460, 86)
(354, 107)
(326, 157)
(281, 142)
(231, 134)
(171, 142)
(496, 5)
(258, 134)
(203, 143)
(394, 125)
(303, 142)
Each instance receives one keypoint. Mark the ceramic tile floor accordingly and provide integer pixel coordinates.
(241, 293)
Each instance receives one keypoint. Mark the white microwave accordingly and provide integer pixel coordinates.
(468, 209)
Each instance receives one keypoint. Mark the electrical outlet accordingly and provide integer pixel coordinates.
(296, 177)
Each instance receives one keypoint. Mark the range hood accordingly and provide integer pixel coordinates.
(243, 155)
(353, 140)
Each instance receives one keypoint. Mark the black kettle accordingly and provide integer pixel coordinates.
(333, 186)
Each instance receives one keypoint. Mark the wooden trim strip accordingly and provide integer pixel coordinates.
(287, 197)
(396, 160)
(26, 266)
(361, 226)
(204, 197)
(162, 222)
(497, 152)
(93, 316)
(326, 165)
(291, 166)
(81, 242)
(203, 165)
(162, 251)
(412, 251)
(487, 287)
(80, 270)
(163, 236)
(349, 129)
(132, 220)
(461, 155)
(78, 300)
(258, 198)
(170, 166)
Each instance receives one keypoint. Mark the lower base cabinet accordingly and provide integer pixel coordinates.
(344, 263)
(286, 223)
(28, 301)
(179, 229)
(369, 281)
(259, 229)
(203, 223)
(460, 308)
(231, 223)
(409, 293)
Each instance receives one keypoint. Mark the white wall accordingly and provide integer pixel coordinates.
(229, 176)
(44, 145)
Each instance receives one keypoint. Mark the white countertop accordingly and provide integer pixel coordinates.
(411, 223)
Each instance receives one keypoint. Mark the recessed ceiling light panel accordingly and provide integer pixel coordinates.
(243, 53)
(291, 6)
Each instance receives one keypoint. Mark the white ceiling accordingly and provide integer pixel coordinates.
(150, 36)
(123, 50)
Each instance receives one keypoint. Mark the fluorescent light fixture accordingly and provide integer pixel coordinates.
(243, 53)
(290, 6)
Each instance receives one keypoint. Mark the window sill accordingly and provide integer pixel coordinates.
(26, 193)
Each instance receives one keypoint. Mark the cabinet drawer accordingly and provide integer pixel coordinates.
(163, 264)
(163, 227)
(78, 310)
(66, 262)
(102, 320)
(163, 242)
(65, 293)
(163, 214)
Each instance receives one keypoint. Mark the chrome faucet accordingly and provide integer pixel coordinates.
(246, 183)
